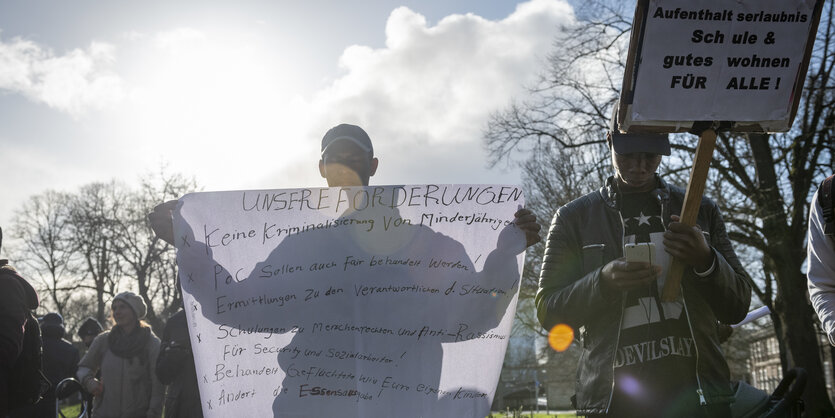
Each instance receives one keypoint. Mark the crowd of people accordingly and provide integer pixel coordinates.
(643, 355)
(123, 371)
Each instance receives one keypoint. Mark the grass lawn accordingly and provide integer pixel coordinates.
(71, 411)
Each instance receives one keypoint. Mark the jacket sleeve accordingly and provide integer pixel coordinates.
(565, 295)
(727, 289)
(821, 270)
(12, 319)
(157, 388)
(91, 361)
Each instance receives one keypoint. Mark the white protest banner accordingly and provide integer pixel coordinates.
(719, 60)
(351, 302)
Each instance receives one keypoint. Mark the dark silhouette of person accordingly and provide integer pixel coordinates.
(175, 369)
(60, 360)
(17, 299)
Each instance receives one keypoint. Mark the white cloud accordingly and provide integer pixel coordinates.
(73, 82)
(133, 36)
(224, 105)
(179, 38)
(431, 89)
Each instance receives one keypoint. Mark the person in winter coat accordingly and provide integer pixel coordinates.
(60, 360)
(175, 368)
(126, 356)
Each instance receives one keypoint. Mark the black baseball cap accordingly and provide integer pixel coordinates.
(624, 143)
(346, 132)
(89, 327)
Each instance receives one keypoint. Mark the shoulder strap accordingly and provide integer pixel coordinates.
(825, 200)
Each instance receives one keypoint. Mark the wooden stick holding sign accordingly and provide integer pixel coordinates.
(690, 209)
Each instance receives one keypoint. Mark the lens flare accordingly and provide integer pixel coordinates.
(560, 337)
(631, 386)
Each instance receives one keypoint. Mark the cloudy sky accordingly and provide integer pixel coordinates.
(239, 94)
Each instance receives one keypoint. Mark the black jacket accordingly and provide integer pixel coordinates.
(60, 360)
(17, 297)
(588, 233)
(175, 368)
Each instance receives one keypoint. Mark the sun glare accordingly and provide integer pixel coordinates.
(216, 98)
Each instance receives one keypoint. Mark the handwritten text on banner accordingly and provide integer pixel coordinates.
(354, 302)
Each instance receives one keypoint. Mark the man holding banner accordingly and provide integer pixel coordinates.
(642, 356)
(387, 331)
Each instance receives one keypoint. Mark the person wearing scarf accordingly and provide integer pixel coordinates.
(126, 356)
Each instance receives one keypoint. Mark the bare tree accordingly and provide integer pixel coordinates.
(86, 246)
(553, 177)
(93, 211)
(146, 259)
(763, 183)
(44, 249)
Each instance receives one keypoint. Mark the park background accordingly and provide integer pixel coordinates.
(107, 109)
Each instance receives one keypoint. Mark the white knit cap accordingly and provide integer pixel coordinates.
(135, 302)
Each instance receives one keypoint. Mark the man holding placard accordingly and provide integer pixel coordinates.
(642, 356)
(314, 331)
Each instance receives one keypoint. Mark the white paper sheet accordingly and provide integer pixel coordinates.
(720, 60)
(351, 302)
